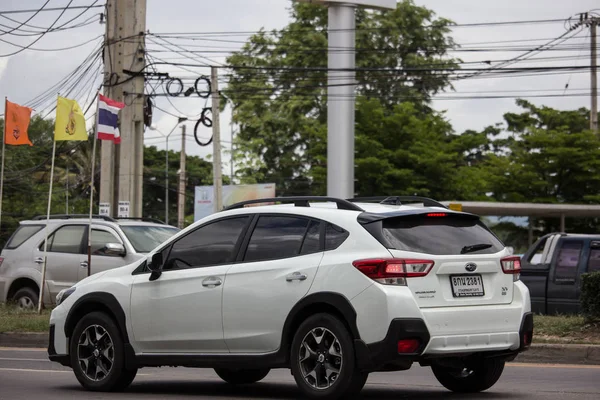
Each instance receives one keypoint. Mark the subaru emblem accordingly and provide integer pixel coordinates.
(471, 267)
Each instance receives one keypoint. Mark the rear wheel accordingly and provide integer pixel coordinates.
(241, 376)
(476, 377)
(26, 298)
(97, 354)
(323, 360)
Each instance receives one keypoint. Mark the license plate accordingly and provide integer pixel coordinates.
(467, 285)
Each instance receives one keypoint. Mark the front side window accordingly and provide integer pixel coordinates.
(66, 240)
(99, 240)
(276, 237)
(567, 261)
(212, 244)
(536, 256)
(145, 238)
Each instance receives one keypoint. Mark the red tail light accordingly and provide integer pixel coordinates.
(1, 261)
(437, 214)
(511, 265)
(393, 271)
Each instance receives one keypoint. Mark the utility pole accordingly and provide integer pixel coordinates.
(594, 109)
(121, 174)
(340, 91)
(216, 127)
(182, 180)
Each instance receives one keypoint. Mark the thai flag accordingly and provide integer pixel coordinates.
(108, 117)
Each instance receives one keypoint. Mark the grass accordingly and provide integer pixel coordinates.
(14, 320)
(564, 329)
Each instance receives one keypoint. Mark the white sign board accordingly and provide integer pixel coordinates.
(104, 209)
(381, 4)
(123, 209)
(204, 196)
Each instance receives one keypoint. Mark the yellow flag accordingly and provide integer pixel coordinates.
(70, 122)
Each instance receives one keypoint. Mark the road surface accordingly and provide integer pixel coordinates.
(26, 374)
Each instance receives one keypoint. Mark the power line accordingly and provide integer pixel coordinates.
(29, 19)
(67, 7)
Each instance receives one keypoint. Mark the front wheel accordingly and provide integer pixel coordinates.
(323, 360)
(98, 354)
(474, 378)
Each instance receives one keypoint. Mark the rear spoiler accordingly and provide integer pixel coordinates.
(368, 217)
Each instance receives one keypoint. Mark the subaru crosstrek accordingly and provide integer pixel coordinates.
(329, 288)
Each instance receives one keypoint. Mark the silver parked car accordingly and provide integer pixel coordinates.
(115, 243)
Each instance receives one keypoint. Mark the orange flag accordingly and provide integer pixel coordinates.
(16, 122)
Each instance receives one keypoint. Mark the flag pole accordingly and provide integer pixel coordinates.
(2, 168)
(41, 300)
(89, 249)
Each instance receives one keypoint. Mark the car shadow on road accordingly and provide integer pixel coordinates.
(268, 390)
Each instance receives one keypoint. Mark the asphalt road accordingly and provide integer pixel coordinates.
(26, 374)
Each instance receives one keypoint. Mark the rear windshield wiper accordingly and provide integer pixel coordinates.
(475, 247)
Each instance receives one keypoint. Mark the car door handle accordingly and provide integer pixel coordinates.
(296, 276)
(83, 264)
(39, 260)
(212, 282)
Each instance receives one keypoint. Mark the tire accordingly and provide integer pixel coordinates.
(98, 354)
(323, 361)
(476, 378)
(26, 298)
(241, 376)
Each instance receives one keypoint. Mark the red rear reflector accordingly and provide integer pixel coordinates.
(511, 265)
(437, 214)
(408, 346)
(1, 261)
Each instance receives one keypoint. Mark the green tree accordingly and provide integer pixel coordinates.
(278, 91)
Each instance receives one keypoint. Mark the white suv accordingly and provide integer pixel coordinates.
(333, 293)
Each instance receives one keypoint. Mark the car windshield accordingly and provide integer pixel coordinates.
(144, 238)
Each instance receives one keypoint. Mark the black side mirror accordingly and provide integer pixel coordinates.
(155, 266)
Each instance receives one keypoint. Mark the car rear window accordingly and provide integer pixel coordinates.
(22, 234)
(439, 235)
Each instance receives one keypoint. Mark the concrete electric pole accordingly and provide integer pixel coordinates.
(182, 182)
(594, 72)
(216, 128)
(121, 174)
(340, 92)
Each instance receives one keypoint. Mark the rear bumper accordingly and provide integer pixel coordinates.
(384, 356)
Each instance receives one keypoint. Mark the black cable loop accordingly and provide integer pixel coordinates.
(170, 83)
(207, 122)
(203, 94)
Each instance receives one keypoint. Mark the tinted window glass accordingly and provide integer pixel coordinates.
(23, 233)
(567, 261)
(100, 239)
(312, 240)
(438, 235)
(594, 261)
(334, 236)
(211, 244)
(67, 239)
(276, 237)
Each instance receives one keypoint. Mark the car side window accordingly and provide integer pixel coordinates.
(567, 261)
(211, 244)
(66, 239)
(276, 237)
(99, 240)
(334, 236)
(536, 256)
(594, 260)
(312, 239)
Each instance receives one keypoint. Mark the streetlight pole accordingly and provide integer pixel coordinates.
(154, 128)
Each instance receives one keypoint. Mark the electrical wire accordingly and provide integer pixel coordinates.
(29, 19)
(41, 36)
(63, 9)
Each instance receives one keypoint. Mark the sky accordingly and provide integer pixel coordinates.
(23, 76)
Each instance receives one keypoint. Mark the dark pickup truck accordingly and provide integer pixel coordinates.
(552, 270)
